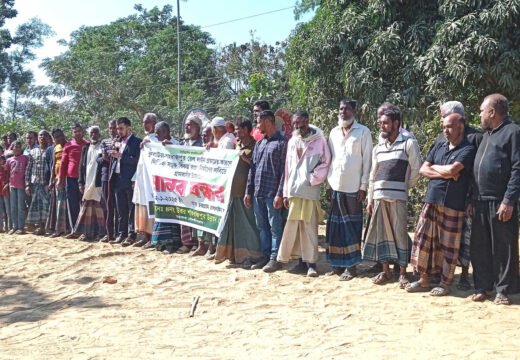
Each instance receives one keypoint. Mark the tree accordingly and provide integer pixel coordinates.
(6, 12)
(28, 37)
(129, 67)
(248, 72)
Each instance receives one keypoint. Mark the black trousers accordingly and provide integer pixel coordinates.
(125, 209)
(73, 200)
(494, 249)
(108, 203)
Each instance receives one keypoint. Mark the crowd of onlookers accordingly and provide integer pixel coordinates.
(94, 190)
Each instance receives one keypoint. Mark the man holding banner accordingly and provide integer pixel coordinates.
(265, 189)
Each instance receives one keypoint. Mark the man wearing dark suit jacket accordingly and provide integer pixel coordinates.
(124, 164)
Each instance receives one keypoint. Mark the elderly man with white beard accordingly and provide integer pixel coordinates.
(306, 168)
(351, 149)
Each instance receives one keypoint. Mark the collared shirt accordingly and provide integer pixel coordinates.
(351, 158)
(448, 192)
(121, 148)
(28, 150)
(35, 173)
(70, 158)
(15, 167)
(227, 141)
(267, 168)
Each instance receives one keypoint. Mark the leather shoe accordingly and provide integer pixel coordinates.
(148, 245)
(119, 240)
(272, 266)
(140, 243)
(128, 241)
(105, 239)
(259, 265)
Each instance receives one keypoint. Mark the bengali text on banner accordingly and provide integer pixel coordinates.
(190, 185)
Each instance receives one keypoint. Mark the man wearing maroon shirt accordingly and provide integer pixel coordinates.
(69, 173)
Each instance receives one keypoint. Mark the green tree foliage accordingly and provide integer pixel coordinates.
(129, 67)
(249, 72)
(6, 12)
(28, 37)
(416, 54)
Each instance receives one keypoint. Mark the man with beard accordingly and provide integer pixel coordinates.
(90, 224)
(494, 233)
(108, 200)
(36, 184)
(166, 236)
(474, 138)
(395, 168)
(57, 223)
(69, 174)
(143, 222)
(124, 164)
(439, 228)
(350, 145)
(265, 189)
(239, 241)
(306, 167)
(192, 130)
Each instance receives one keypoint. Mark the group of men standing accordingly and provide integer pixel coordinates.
(98, 190)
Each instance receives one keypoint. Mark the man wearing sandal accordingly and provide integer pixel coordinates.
(439, 229)
(396, 161)
(350, 146)
(494, 233)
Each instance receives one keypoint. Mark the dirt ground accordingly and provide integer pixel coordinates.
(54, 305)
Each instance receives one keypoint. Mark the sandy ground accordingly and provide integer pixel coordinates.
(54, 305)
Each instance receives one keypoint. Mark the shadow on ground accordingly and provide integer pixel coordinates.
(21, 302)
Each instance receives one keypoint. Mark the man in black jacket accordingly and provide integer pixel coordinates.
(494, 241)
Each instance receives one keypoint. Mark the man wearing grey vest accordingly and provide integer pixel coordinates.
(396, 161)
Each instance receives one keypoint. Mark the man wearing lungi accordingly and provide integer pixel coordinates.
(306, 167)
(396, 161)
(36, 184)
(439, 228)
(494, 234)
(350, 146)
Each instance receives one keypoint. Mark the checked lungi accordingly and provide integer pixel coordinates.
(91, 221)
(344, 227)
(39, 208)
(57, 221)
(437, 241)
(387, 238)
(166, 235)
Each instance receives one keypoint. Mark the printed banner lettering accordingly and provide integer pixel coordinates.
(190, 185)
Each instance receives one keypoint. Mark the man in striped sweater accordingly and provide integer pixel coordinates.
(396, 161)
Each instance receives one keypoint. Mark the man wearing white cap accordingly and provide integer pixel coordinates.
(221, 138)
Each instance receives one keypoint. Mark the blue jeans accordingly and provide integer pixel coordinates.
(269, 224)
(17, 208)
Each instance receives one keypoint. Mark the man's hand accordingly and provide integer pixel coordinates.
(60, 183)
(6, 187)
(469, 210)
(247, 201)
(115, 154)
(28, 190)
(504, 212)
(145, 141)
(286, 202)
(166, 142)
(82, 189)
(278, 202)
(370, 208)
(361, 195)
(328, 194)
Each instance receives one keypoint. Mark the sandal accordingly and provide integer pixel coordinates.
(479, 296)
(501, 299)
(403, 281)
(335, 271)
(416, 287)
(439, 291)
(381, 279)
(348, 274)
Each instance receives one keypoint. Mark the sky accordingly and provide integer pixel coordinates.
(65, 16)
